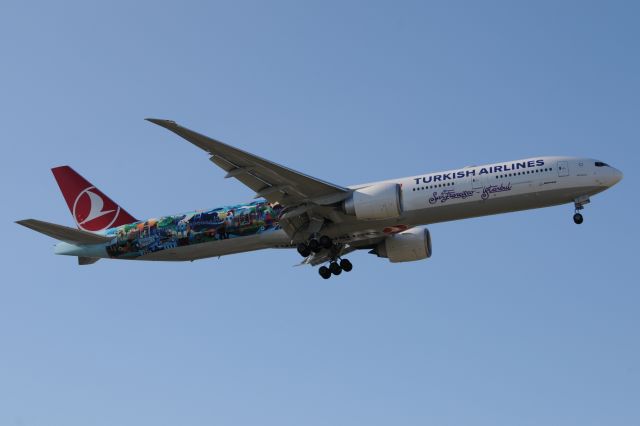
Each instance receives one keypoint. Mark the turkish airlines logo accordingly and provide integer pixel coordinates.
(93, 211)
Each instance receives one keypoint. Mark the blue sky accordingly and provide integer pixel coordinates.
(522, 318)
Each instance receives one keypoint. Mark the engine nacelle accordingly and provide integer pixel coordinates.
(407, 246)
(381, 201)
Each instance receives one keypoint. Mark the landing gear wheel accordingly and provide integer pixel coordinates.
(314, 245)
(324, 272)
(578, 219)
(325, 242)
(303, 249)
(346, 265)
(335, 268)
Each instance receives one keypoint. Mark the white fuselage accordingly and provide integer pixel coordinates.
(492, 188)
(430, 198)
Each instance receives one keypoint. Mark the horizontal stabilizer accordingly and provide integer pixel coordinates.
(63, 233)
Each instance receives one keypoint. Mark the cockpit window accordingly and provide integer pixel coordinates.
(601, 164)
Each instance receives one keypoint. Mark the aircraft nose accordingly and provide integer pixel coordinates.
(617, 176)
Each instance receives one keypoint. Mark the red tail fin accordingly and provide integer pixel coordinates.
(91, 209)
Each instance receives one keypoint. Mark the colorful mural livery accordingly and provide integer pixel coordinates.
(140, 238)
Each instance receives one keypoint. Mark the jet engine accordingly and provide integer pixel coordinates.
(412, 244)
(375, 202)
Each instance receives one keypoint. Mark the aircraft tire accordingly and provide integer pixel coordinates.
(335, 268)
(325, 242)
(577, 218)
(303, 250)
(314, 245)
(346, 265)
(324, 272)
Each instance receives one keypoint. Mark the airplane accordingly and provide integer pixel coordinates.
(323, 221)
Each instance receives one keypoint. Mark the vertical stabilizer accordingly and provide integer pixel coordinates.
(91, 209)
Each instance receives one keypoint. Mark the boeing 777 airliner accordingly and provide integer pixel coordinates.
(322, 220)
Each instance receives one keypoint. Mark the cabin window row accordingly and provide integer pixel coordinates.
(440, 185)
(548, 169)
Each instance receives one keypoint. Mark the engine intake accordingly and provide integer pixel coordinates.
(381, 201)
(407, 246)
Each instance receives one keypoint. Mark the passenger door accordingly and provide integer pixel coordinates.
(563, 168)
(477, 183)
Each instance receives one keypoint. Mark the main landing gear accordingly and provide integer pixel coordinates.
(315, 245)
(335, 268)
(579, 205)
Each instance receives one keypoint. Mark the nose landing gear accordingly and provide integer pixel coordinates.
(579, 205)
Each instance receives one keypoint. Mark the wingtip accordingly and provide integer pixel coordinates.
(25, 222)
(162, 122)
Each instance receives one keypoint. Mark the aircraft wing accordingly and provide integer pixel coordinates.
(269, 180)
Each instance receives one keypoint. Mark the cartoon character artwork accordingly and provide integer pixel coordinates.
(140, 238)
